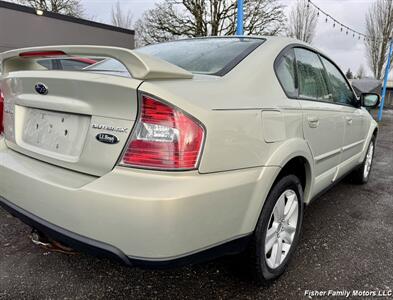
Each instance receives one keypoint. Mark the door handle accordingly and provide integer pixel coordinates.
(349, 120)
(313, 121)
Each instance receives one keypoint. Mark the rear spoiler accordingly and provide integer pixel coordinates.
(139, 65)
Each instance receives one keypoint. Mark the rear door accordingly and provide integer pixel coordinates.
(354, 118)
(323, 122)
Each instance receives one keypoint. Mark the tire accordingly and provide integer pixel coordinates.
(362, 173)
(261, 262)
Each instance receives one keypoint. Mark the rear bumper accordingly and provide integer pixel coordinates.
(139, 217)
(101, 249)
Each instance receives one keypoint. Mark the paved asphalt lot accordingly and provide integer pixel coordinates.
(347, 243)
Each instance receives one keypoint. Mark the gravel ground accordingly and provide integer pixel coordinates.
(346, 244)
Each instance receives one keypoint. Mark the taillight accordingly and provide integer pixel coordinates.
(164, 138)
(1, 112)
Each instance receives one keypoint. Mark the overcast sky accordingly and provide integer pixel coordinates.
(345, 50)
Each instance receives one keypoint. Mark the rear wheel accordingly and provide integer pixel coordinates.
(277, 231)
(362, 174)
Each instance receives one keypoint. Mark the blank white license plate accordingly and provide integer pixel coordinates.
(60, 133)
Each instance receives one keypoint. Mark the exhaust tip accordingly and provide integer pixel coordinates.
(40, 239)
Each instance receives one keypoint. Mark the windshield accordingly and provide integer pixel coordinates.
(212, 56)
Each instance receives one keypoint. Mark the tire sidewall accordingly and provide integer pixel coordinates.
(287, 182)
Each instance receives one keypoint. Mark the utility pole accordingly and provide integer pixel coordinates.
(385, 80)
(239, 28)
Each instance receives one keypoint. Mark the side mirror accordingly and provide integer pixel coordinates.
(369, 100)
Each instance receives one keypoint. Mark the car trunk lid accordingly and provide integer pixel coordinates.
(76, 120)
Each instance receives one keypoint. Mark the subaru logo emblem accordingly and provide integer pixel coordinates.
(40, 88)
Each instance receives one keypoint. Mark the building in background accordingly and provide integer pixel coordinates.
(21, 26)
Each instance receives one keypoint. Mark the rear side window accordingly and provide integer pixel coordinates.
(285, 70)
(311, 76)
(211, 56)
(341, 91)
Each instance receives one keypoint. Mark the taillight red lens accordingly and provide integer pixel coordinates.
(1, 112)
(164, 138)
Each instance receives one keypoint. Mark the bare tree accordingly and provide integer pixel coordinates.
(67, 7)
(120, 17)
(361, 73)
(379, 27)
(303, 20)
(173, 19)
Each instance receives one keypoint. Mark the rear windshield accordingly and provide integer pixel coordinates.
(211, 56)
(108, 66)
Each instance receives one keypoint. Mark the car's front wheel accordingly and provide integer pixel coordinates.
(362, 174)
(278, 230)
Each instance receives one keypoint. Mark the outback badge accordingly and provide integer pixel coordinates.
(107, 138)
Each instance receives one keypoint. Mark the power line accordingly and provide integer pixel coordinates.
(337, 24)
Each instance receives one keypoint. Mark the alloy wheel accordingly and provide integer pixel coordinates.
(281, 228)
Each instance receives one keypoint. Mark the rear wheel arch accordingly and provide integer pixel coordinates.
(292, 152)
(301, 168)
(296, 165)
(295, 152)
